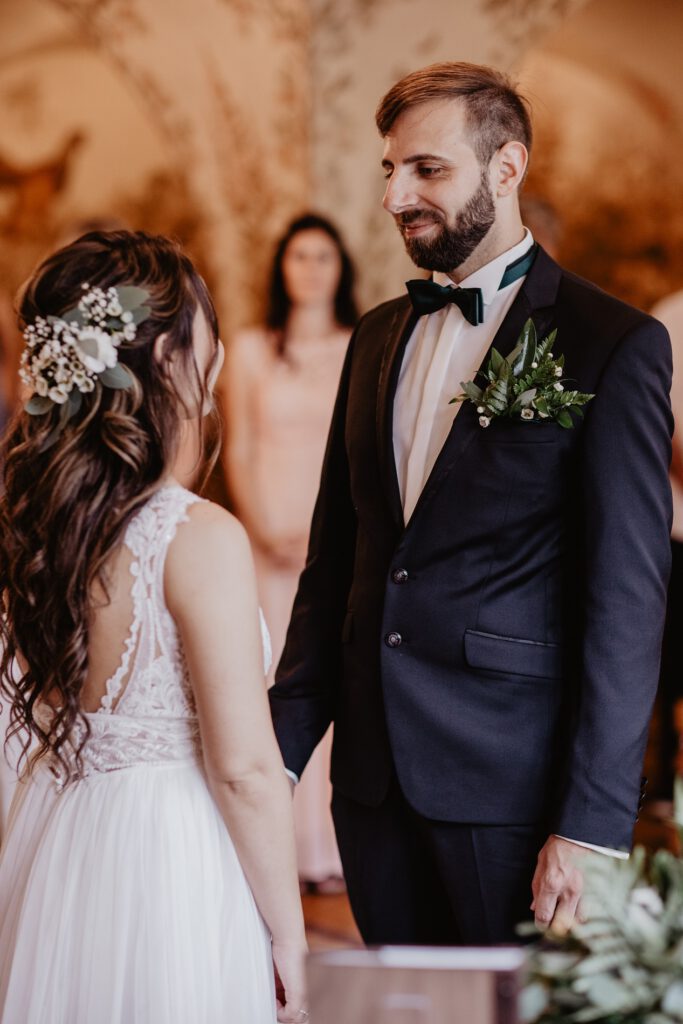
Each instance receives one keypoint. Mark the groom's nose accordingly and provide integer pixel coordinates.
(399, 194)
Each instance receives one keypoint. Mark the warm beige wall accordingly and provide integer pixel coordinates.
(217, 120)
(195, 116)
(607, 89)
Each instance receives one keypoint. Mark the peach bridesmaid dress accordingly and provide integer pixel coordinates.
(279, 411)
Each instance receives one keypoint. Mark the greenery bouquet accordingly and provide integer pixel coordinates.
(624, 963)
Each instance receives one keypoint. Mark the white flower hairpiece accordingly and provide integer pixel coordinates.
(65, 357)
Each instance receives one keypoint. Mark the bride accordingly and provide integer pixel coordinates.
(148, 873)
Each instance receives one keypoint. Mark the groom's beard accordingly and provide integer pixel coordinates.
(451, 246)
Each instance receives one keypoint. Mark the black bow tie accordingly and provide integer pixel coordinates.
(427, 297)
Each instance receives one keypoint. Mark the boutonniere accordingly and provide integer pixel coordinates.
(527, 385)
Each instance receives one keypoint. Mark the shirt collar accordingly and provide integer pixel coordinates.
(490, 275)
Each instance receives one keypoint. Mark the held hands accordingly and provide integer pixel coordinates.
(290, 983)
(557, 885)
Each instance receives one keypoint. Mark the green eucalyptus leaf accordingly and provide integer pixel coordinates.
(608, 992)
(74, 314)
(37, 405)
(533, 1000)
(140, 314)
(74, 403)
(495, 362)
(528, 344)
(131, 297)
(471, 390)
(513, 359)
(564, 419)
(117, 377)
(604, 962)
(527, 397)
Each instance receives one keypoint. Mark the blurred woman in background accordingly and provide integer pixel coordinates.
(281, 383)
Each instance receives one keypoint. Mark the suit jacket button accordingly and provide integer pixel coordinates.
(393, 639)
(400, 575)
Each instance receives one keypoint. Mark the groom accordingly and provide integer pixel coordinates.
(481, 611)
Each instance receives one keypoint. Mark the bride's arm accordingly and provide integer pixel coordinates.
(211, 593)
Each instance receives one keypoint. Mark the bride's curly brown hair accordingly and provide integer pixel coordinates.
(65, 507)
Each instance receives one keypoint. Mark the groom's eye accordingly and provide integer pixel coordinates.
(427, 170)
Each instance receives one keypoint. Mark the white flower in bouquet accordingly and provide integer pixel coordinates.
(95, 349)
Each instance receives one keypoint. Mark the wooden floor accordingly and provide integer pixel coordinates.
(329, 922)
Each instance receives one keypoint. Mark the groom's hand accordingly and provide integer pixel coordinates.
(557, 885)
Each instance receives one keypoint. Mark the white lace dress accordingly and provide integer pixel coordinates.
(122, 900)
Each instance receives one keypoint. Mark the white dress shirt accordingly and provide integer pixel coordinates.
(443, 351)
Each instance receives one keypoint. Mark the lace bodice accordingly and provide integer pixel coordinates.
(147, 714)
(152, 662)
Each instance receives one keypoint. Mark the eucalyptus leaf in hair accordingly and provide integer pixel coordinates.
(38, 404)
(131, 297)
(67, 411)
(72, 316)
(117, 377)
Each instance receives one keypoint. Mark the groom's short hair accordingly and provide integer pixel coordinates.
(496, 112)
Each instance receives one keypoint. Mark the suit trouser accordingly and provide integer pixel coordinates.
(415, 881)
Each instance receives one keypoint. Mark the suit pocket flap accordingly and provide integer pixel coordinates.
(511, 654)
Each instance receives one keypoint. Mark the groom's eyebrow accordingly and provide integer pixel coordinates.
(418, 158)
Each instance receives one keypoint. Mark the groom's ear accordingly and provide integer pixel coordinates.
(508, 167)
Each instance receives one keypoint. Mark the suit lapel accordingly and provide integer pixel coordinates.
(535, 299)
(400, 329)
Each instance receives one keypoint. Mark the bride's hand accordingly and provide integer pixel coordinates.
(290, 983)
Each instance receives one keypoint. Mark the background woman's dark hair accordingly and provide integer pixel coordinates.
(279, 303)
(65, 508)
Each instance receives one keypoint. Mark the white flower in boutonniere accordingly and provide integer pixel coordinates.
(525, 386)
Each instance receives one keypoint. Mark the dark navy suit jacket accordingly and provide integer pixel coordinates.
(525, 596)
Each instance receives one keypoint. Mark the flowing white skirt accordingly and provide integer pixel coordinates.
(122, 901)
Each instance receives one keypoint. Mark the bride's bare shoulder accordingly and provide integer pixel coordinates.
(209, 544)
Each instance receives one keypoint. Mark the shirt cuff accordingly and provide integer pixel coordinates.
(293, 776)
(607, 850)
